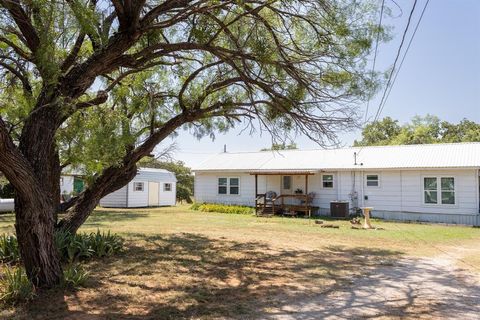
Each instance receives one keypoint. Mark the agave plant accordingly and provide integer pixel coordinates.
(9, 249)
(74, 275)
(15, 286)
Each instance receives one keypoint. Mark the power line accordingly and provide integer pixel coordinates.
(389, 86)
(405, 54)
(375, 54)
(399, 51)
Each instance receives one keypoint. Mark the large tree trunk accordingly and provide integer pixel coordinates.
(36, 212)
(35, 226)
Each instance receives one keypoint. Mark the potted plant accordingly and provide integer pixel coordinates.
(299, 191)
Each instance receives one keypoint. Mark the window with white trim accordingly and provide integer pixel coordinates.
(373, 180)
(327, 181)
(439, 190)
(138, 186)
(167, 187)
(229, 185)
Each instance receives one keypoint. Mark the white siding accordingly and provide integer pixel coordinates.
(466, 192)
(137, 199)
(323, 195)
(168, 198)
(400, 193)
(116, 199)
(67, 186)
(206, 188)
(127, 197)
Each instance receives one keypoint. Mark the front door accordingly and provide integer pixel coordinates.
(78, 185)
(286, 182)
(153, 188)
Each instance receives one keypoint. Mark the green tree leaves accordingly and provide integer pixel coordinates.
(421, 130)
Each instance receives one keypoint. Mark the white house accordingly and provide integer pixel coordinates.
(149, 188)
(437, 183)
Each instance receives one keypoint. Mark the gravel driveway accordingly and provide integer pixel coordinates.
(427, 288)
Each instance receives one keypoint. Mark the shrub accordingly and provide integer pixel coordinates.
(74, 247)
(105, 244)
(74, 275)
(15, 286)
(82, 246)
(212, 207)
(9, 249)
(195, 206)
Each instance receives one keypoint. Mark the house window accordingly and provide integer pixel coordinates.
(373, 180)
(222, 185)
(167, 187)
(234, 185)
(287, 182)
(229, 186)
(448, 190)
(430, 190)
(61, 181)
(138, 186)
(439, 190)
(327, 180)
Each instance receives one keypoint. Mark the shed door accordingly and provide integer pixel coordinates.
(153, 188)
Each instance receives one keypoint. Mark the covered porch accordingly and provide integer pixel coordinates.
(286, 198)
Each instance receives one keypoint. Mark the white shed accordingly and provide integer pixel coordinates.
(149, 188)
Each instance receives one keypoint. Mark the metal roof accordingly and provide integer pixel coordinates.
(159, 173)
(450, 155)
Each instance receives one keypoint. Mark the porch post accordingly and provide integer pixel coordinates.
(306, 195)
(306, 184)
(256, 193)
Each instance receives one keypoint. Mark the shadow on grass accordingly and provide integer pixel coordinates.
(6, 217)
(102, 216)
(189, 276)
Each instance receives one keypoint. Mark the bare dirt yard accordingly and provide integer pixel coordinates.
(182, 264)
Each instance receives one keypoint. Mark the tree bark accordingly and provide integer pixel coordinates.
(35, 226)
(34, 209)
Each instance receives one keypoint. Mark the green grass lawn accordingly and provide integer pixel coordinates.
(188, 264)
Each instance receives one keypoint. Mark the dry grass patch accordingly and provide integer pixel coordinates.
(181, 264)
(192, 276)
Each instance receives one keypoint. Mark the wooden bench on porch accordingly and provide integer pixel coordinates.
(286, 204)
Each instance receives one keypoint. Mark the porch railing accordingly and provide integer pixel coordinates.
(280, 202)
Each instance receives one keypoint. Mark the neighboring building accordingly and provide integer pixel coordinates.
(437, 183)
(71, 184)
(7, 205)
(149, 188)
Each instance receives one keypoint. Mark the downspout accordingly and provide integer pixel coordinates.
(363, 188)
(401, 191)
(126, 202)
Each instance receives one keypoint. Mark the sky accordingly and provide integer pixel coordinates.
(440, 76)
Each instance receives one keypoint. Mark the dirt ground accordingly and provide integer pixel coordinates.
(428, 288)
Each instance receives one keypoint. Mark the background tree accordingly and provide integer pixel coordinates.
(97, 84)
(184, 175)
(281, 146)
(379, 132)
(421, 130)
(6, 188)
